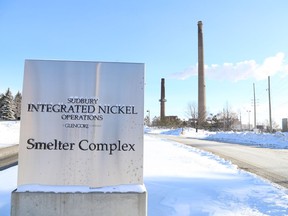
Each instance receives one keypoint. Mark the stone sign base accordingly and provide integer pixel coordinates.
(75, 204)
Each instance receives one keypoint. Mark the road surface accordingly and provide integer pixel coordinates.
(271, 164)
(8, 157)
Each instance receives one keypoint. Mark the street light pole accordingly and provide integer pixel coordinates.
(148, 117)
(249, 111)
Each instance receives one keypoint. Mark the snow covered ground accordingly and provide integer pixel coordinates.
(9, 133)
(183, 180)
(277, 140)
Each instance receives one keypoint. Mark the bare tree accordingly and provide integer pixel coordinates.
(192, 113)
(275, 126)
(227, 119)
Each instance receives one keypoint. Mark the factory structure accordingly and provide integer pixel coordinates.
(201, 117)
(162, 100)
(201, 78)
(201, 84)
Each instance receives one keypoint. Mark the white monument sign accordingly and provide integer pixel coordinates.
(81, 123)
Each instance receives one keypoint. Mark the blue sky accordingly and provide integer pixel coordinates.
(245, 41)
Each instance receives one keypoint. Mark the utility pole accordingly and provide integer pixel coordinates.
(269, 96)
(148, 111)
(254, 106)
(240, 122)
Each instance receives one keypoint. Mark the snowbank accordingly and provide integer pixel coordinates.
(9, 133)
(182, 180)
(265, 140)
(277, 140)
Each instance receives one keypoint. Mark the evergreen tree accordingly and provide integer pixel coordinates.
(7, 106)
(17, 105)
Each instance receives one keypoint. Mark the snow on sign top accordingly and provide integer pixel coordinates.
(81, 123)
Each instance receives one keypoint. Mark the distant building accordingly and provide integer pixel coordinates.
(171, 118)
(285, 125)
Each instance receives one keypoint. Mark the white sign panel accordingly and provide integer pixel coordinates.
(81, 123)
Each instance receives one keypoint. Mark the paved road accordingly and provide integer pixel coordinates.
(8, 157)
(271, 164)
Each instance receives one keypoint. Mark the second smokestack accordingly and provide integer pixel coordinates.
(162, 100)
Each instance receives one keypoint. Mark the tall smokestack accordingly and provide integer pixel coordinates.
(162, 100)
(201, 78)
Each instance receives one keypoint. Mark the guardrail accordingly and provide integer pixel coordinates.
(8, 156)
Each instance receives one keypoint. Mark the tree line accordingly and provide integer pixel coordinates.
(10, 106)
(224, 120)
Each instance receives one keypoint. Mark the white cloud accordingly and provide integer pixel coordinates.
(183, 75)
(240, 70)
(271, 66)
